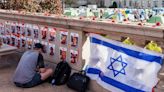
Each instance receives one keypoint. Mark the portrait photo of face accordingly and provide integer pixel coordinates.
(2, 32)
(18, 43)
(8, 40)
(74, 56)
(18, 30)
(29, 44)
(51, 49)
(52, 35)
(23, 32)
(7, 32)
(74, 39)
(28, 31)
(44, 33)
(36, 33)
(63, 38)
(63, 54)
(13, 29)
(1, 27)
(23, 43)
(22, 29)
(13, 41)
(4, 40)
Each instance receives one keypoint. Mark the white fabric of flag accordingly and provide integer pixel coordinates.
(119, 67)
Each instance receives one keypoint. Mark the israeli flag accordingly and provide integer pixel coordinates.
(119, 67)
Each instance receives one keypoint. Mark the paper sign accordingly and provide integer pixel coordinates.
(74, 39)
(63, 37)
(63, 53)
(74, 56)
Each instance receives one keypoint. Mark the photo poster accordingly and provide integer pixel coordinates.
(44, 30)
(45, 46)
(17, 42)
(18, 29)
(2, 31)
(29, 30)
(35, 41)
(13, 28)
(23, 42)
(51, 50)
(3, 39)
(52, 35)
(74, 39)
(8, 40)
(8, 28)
(63, 53)
(73, 56)
(63, 37)
(35, 31)
(29, 44)
(23, 31)
(12, 40)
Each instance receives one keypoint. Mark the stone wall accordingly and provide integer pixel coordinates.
(116, 31)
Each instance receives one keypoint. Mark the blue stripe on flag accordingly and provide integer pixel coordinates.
(112, 82)
(136, 54)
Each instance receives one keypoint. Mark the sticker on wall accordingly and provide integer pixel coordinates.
(36, 31)
(51, 49)
(44, 32)
(74, 39)
(63, 53)
(63, 37)
(74, 56)
(52, 35)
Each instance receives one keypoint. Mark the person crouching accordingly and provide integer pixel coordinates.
(31, 70)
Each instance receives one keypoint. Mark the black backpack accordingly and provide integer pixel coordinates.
(79, 82)
(61, 74)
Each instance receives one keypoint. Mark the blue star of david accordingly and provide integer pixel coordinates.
(117, 61)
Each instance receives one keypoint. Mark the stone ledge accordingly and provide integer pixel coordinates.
(88, 24)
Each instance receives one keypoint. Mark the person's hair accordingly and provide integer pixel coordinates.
(38, 46)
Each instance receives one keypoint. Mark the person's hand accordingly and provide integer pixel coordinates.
(42, 70)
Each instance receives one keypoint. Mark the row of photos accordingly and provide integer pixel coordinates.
(24, 36)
